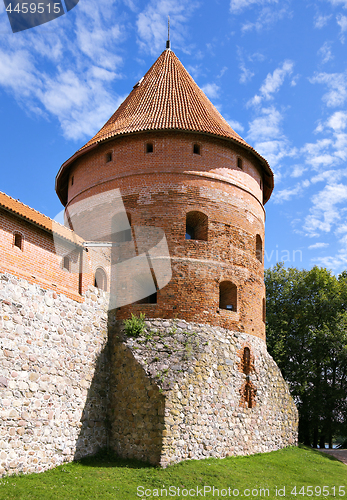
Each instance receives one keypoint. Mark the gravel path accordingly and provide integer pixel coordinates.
(339, 454)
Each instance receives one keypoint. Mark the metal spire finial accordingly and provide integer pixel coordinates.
(168, 44)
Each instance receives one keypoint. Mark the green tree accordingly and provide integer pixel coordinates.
(306, 328)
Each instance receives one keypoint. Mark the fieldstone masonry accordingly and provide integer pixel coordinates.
(53, 376)
(179, 395)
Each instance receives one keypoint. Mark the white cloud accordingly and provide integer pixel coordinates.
(321, 21)
(339, 2)
(338, 121)
(272, 83)
(318, 245)
(267, 17)
(152, 23)
(80, 62)
(298, 170)
(337, 87)
(237, 6)
(246, 74)
(342, 22)
(325, 52)
(288, 193)
(237, 126)
(211, 90)
(324, 213)
(265, 126)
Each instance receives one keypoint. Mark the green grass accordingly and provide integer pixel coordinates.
(107, 477)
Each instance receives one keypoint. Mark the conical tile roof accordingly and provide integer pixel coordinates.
(166, 98)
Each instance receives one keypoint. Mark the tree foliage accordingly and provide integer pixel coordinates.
(306, 328)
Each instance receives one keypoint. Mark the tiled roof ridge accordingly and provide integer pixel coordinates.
(18, 207)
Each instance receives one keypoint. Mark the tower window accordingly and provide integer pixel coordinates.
(120, 221)
(228, 296)
(149, 147)
(246, 361)
(239, 163)
(66, 263)
(100, 279)
(151, 299)
(196, 226)
(108, 157)
(259, 248)
(18, 241)
(72, 180)
(196, 149)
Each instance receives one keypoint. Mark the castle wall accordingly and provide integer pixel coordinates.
(53, 376)
(195, 371)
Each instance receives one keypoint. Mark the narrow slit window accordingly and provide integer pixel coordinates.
(72, 180)
(66, 263)
(108, 157)
(264, 310)
(239, 163)
(149, 147)
(259, 248)
(196, 149)
(18, 241)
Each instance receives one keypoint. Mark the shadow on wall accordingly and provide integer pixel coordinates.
(94, 427)
(124, 408)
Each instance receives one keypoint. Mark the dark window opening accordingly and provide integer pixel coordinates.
(249, 395)
(196, 149)
(18, 241)
(66, 263)
(151, 299)
(260, 184)
(72, 180)
(108, 157)
(239, 163)
(149, 147)
(119, 221)
(246, 361)
(196, 226)
(259, 248)
(100, 280)
(228, 296)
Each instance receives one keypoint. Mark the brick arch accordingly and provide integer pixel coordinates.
(100, 280)
(196, 226)
(228, 296)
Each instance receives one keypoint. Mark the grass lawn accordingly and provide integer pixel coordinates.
(107, 477)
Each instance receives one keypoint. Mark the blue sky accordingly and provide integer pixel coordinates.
(276, 70)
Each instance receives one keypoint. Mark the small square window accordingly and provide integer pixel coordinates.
(108, 157)
(149, 147)
(196, 149)
(239, 163)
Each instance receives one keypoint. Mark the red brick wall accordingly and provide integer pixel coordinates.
(158, 189)
(39, 261)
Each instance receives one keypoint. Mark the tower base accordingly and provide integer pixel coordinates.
(188, 391)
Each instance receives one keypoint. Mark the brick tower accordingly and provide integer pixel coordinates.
(180, 167)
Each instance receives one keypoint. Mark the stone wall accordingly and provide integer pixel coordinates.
(53, 377)
(185, 388)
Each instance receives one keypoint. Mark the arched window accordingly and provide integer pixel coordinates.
(228, 296)
(196, 226)
(18, 241)
(264, 310)
(100, 279)
(66, 263)
(259, 248)
(119, 221)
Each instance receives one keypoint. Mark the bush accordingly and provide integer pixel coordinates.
(135, 326)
